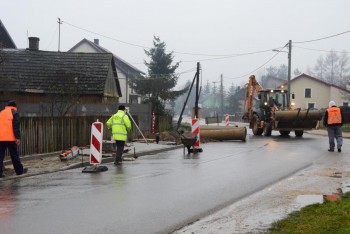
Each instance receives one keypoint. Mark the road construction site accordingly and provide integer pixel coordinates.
(234, 211)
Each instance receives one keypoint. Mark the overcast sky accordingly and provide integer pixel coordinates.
(206, 28)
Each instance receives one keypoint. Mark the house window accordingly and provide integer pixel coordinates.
(311, 105)
(307, 92)
(345, 104)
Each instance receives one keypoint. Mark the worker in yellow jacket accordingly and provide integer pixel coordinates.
(120, 125)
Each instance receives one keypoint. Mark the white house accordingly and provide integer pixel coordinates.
(124, 70)
(311, 92)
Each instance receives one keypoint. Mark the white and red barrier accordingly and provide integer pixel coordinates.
(227, 117)
(195, 130)
(96, 143)
(153, 123)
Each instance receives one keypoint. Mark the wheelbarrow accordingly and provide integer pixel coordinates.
(188, 143)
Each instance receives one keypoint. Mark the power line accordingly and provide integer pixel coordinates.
(256, 68)
(52, 38)
(219, 56)
(344, 52)
(111, 38)
(323, 38)
(236, 55)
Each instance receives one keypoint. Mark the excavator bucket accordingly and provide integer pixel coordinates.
(297, 119)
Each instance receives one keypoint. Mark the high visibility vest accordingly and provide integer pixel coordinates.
(334, 115)
(120, 125)
(6, 126)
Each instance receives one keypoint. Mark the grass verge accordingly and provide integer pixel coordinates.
(329, 217)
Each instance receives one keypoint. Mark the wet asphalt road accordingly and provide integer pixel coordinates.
(156, 193)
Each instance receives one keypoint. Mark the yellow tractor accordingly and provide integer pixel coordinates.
(271, 111)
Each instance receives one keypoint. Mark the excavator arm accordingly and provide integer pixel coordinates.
(253, 87)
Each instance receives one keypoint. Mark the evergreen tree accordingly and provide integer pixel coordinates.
(232, 90)
(157, 88)
(214, 89)
(206, 89)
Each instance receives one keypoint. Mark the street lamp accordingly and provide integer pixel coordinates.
(289, 67)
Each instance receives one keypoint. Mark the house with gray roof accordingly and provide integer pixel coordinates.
(34, 76)
(125, 70)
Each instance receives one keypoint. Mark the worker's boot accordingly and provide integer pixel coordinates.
(119, 159)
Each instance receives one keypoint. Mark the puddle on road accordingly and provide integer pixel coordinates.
(305, 200)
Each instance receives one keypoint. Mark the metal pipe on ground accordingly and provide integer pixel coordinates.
(221, 134)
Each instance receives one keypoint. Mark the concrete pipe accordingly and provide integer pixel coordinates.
(297, 119)
(224, 134)
(215, 127)
(298, 115)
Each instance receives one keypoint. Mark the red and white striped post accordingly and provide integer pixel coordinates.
(96, 143)
(153, 123)
(195, 130)
(226, 119)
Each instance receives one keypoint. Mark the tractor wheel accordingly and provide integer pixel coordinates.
(284, 133)
(299, 133)
(256, 130)
(267, 129)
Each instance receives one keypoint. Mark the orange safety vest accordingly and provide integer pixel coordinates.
(6, 127)
(334, 115)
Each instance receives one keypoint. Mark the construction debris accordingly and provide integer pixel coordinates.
(69, 153)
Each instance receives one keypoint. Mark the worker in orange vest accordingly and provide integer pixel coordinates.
(10, 136)
(333, 120)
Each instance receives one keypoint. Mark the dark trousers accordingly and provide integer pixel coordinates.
(16, 161)
(335, 132)
(120, 149)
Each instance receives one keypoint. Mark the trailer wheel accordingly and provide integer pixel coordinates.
(267, 129)
(299, 133)
(284, 133)
(256, 130)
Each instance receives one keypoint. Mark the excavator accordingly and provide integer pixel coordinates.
(271, 111)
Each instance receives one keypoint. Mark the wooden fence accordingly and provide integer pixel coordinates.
(49, 134)
(164, 123)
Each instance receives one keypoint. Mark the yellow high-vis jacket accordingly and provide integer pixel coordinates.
(120, 125)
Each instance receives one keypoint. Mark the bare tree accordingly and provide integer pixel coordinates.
(334, 68)
(344, 68)
(319, 69)
(331, 67)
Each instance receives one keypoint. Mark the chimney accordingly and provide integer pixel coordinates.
(33, 43)
(96, 41)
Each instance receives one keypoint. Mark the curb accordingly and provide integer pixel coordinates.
(79, 165)
(111, 159)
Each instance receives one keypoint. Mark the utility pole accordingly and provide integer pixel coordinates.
(222, 95)
(289, 71)
(59, 33)
(126, 86)
(197, 92)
